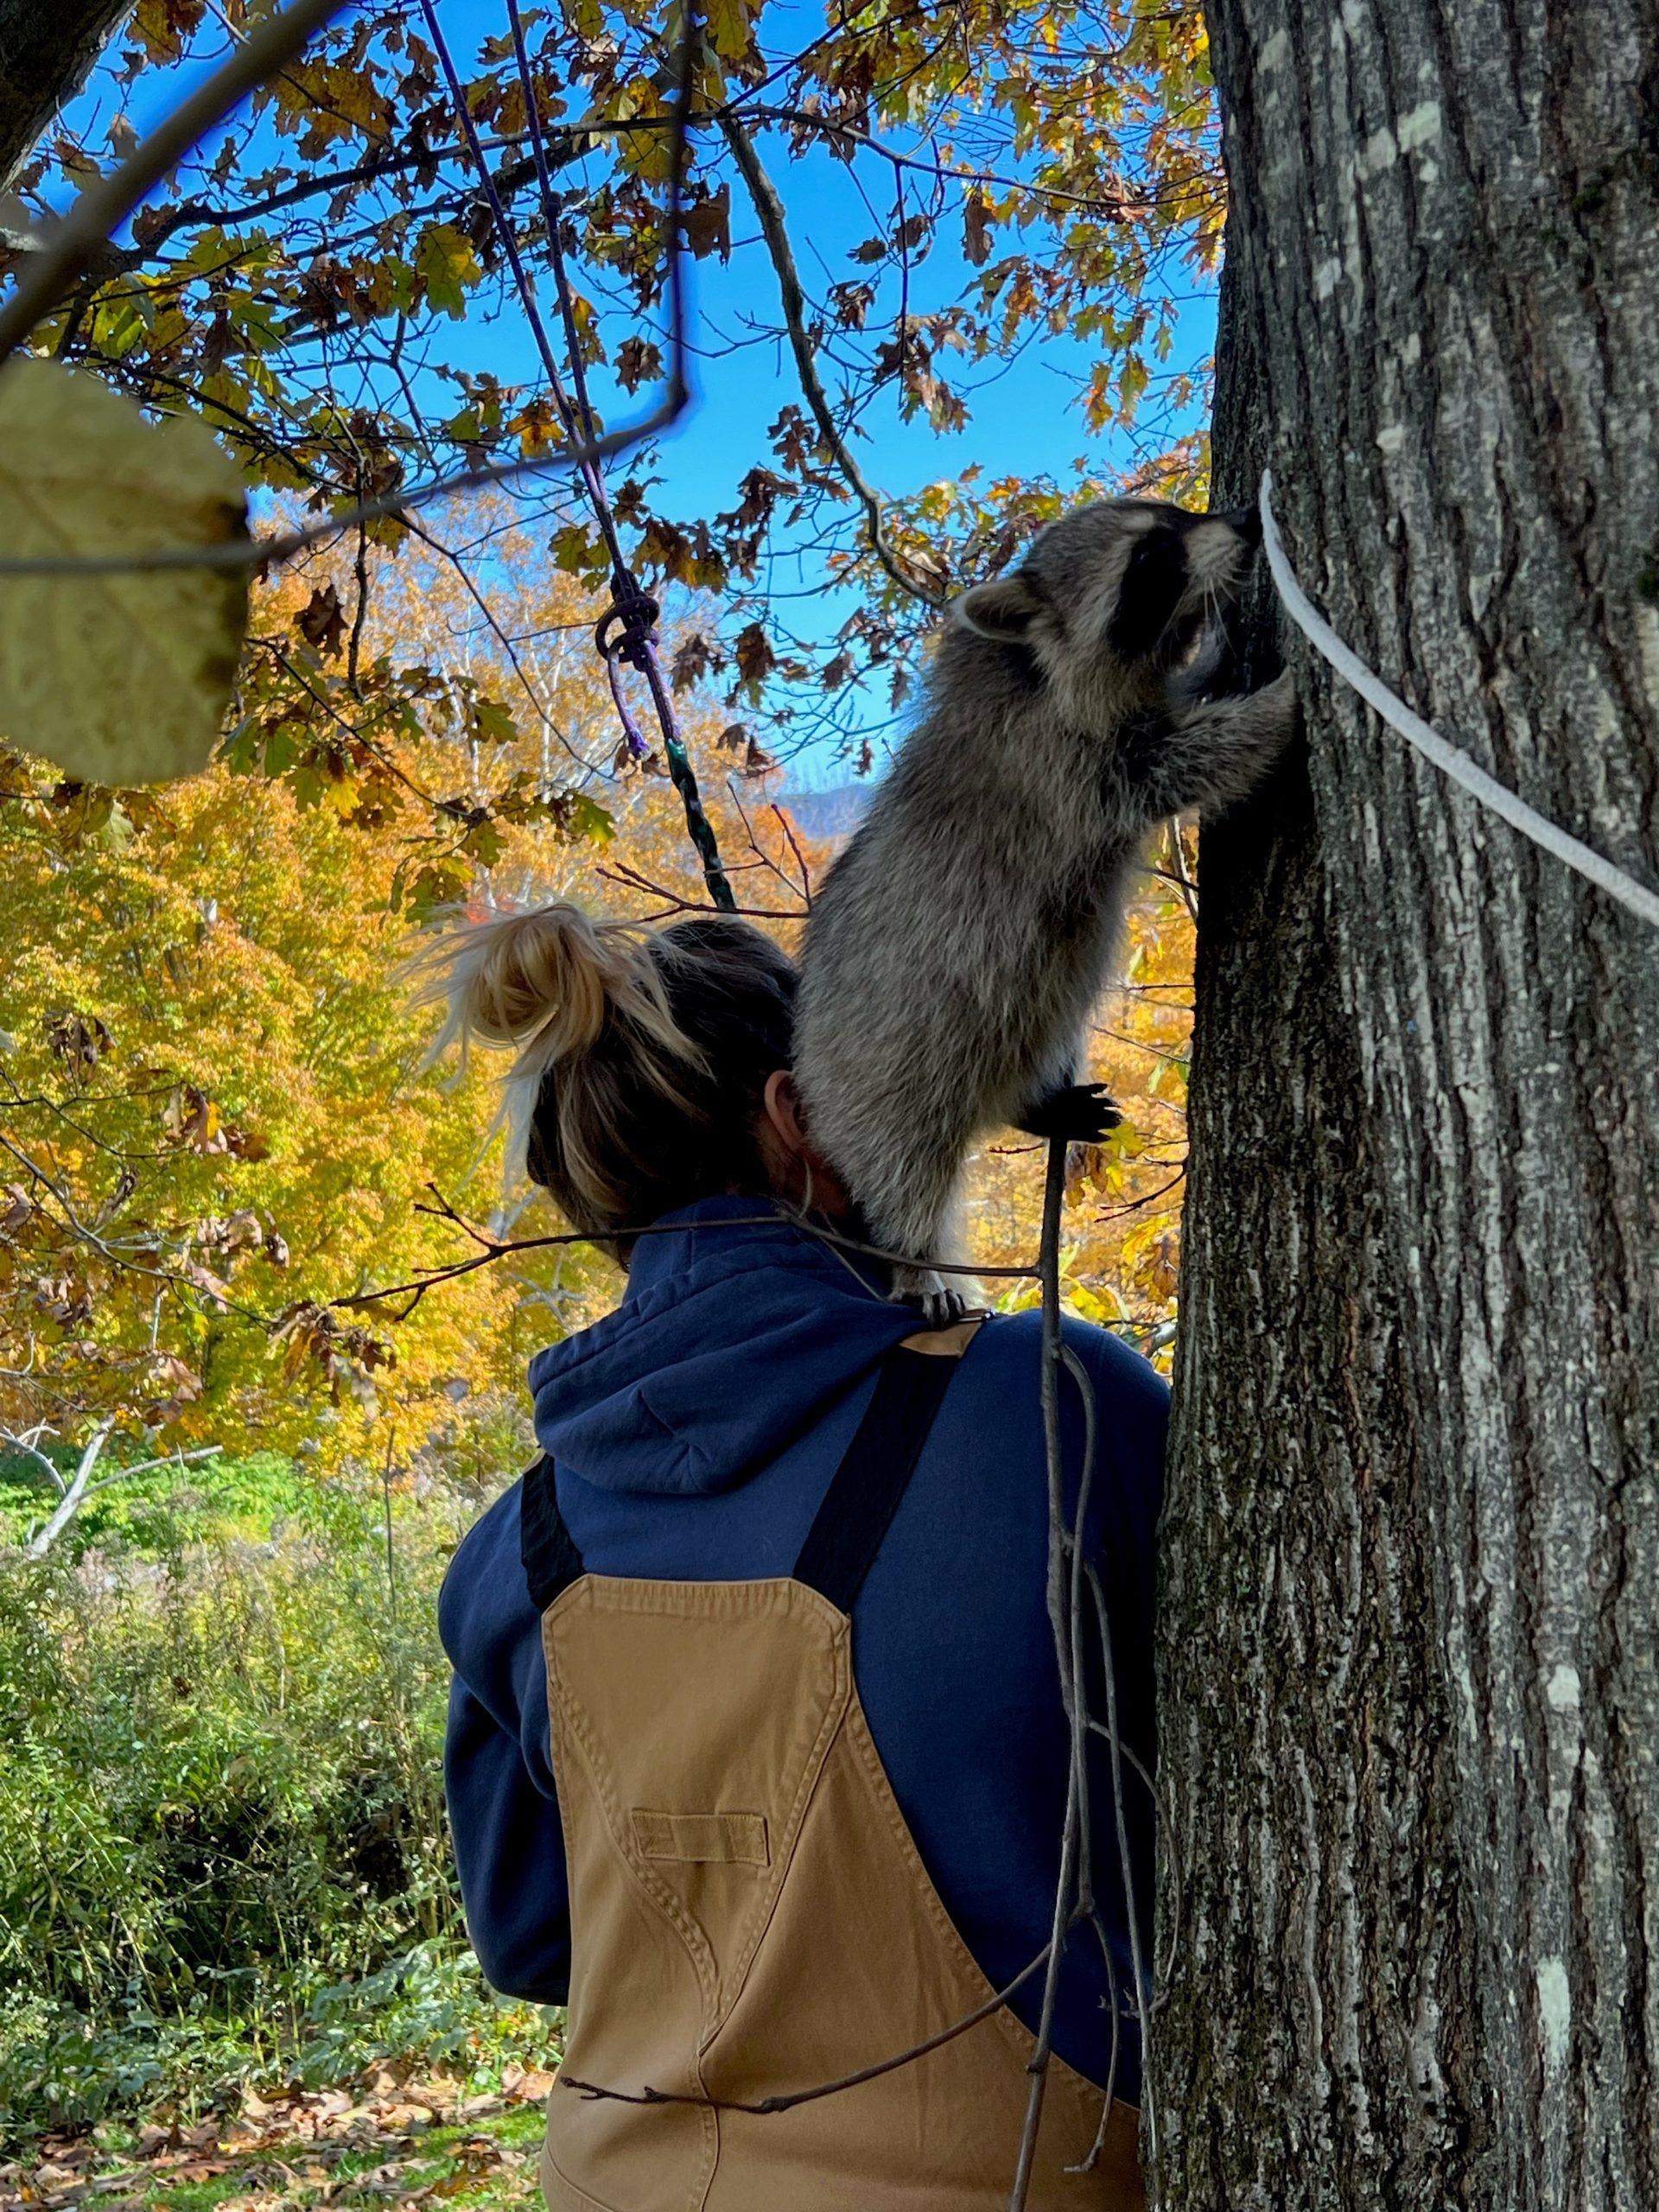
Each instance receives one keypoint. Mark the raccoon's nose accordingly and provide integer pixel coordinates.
(1247, 521)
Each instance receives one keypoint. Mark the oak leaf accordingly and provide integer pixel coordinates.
(322, 623)
(976, 230)
(637, 361)
(707, 225)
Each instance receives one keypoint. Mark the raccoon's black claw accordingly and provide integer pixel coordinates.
(942, 1306)
(1081, 1114)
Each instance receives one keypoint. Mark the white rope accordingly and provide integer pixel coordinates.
(1447, 758)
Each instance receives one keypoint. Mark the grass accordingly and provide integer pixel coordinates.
(227, 1902)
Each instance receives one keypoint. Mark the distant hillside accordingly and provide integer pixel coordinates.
(829, 814)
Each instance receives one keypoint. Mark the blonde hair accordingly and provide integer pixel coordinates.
(642, 1054)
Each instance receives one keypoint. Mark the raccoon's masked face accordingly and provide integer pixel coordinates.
(1114, 598)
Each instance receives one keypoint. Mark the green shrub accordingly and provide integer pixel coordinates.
(223, 1851)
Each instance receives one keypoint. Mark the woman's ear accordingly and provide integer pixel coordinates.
(799, 1175)
(783, 1108)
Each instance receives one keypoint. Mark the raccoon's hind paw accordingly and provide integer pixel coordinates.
(1081, 1113)
(942, 1307)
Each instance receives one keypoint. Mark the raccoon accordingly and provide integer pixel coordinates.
(957, 945)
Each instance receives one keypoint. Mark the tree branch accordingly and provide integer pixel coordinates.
(47, 49)
(81, 1486)
(30, 1444)
(104, 206)
(508, 179)
(64, 1512)
(770, 211)
(165, 1459)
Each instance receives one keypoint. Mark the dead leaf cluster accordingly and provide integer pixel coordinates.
(287, 2143)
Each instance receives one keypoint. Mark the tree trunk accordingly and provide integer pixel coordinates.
(1410, 1627)
(47, 49)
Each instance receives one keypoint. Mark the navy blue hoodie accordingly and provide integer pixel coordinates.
(694, 1431)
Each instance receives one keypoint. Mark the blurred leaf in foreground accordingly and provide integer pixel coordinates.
(121, 678)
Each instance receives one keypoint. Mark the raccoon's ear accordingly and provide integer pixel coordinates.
(1002, 608)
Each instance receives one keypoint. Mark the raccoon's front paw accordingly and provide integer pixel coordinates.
(1081, 1113)
(942, 1307)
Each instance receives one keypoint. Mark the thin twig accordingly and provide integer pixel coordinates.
(1124, 1860)
(1160, 1975)
(270, 554)
(788, 829)
(636, 643)
(582, 422)
(1097, 204)
(319, 181)
(1065, 1640)
(354, 649)
(1183, 874)
(386, 1498)
(675, 902)
(787, 2102)
(770, 211)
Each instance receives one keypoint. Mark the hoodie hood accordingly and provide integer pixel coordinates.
(729, 1342)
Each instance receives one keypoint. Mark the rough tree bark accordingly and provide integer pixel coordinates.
(1410, 1632)
(47, 48)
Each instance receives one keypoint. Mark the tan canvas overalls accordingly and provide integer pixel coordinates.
(748, 1913)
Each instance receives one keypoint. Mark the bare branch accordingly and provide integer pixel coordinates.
(1106, 205)
(313, 186)
(68, 1505)
(1180, 874)
(770, 211)
(166, 1460)
(675, 902)
(30, 1444)
(73, 1495)
(788, 2102)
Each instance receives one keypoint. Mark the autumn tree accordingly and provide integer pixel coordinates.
(1408, 1689)
(215, 1128)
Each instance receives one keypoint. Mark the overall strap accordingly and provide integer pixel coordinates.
(551, 1560)
(865, 1489)
(861, 1499)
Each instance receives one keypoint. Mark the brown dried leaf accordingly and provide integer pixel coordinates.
(324, 622)
(707, 225)
(977, 230)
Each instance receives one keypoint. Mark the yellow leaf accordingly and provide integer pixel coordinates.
(728, 27)
(121, 678)
(446, 257)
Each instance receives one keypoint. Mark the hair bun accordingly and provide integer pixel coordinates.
(642, 1055)
(546, 980)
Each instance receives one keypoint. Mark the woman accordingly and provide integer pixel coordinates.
(759, 1850)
